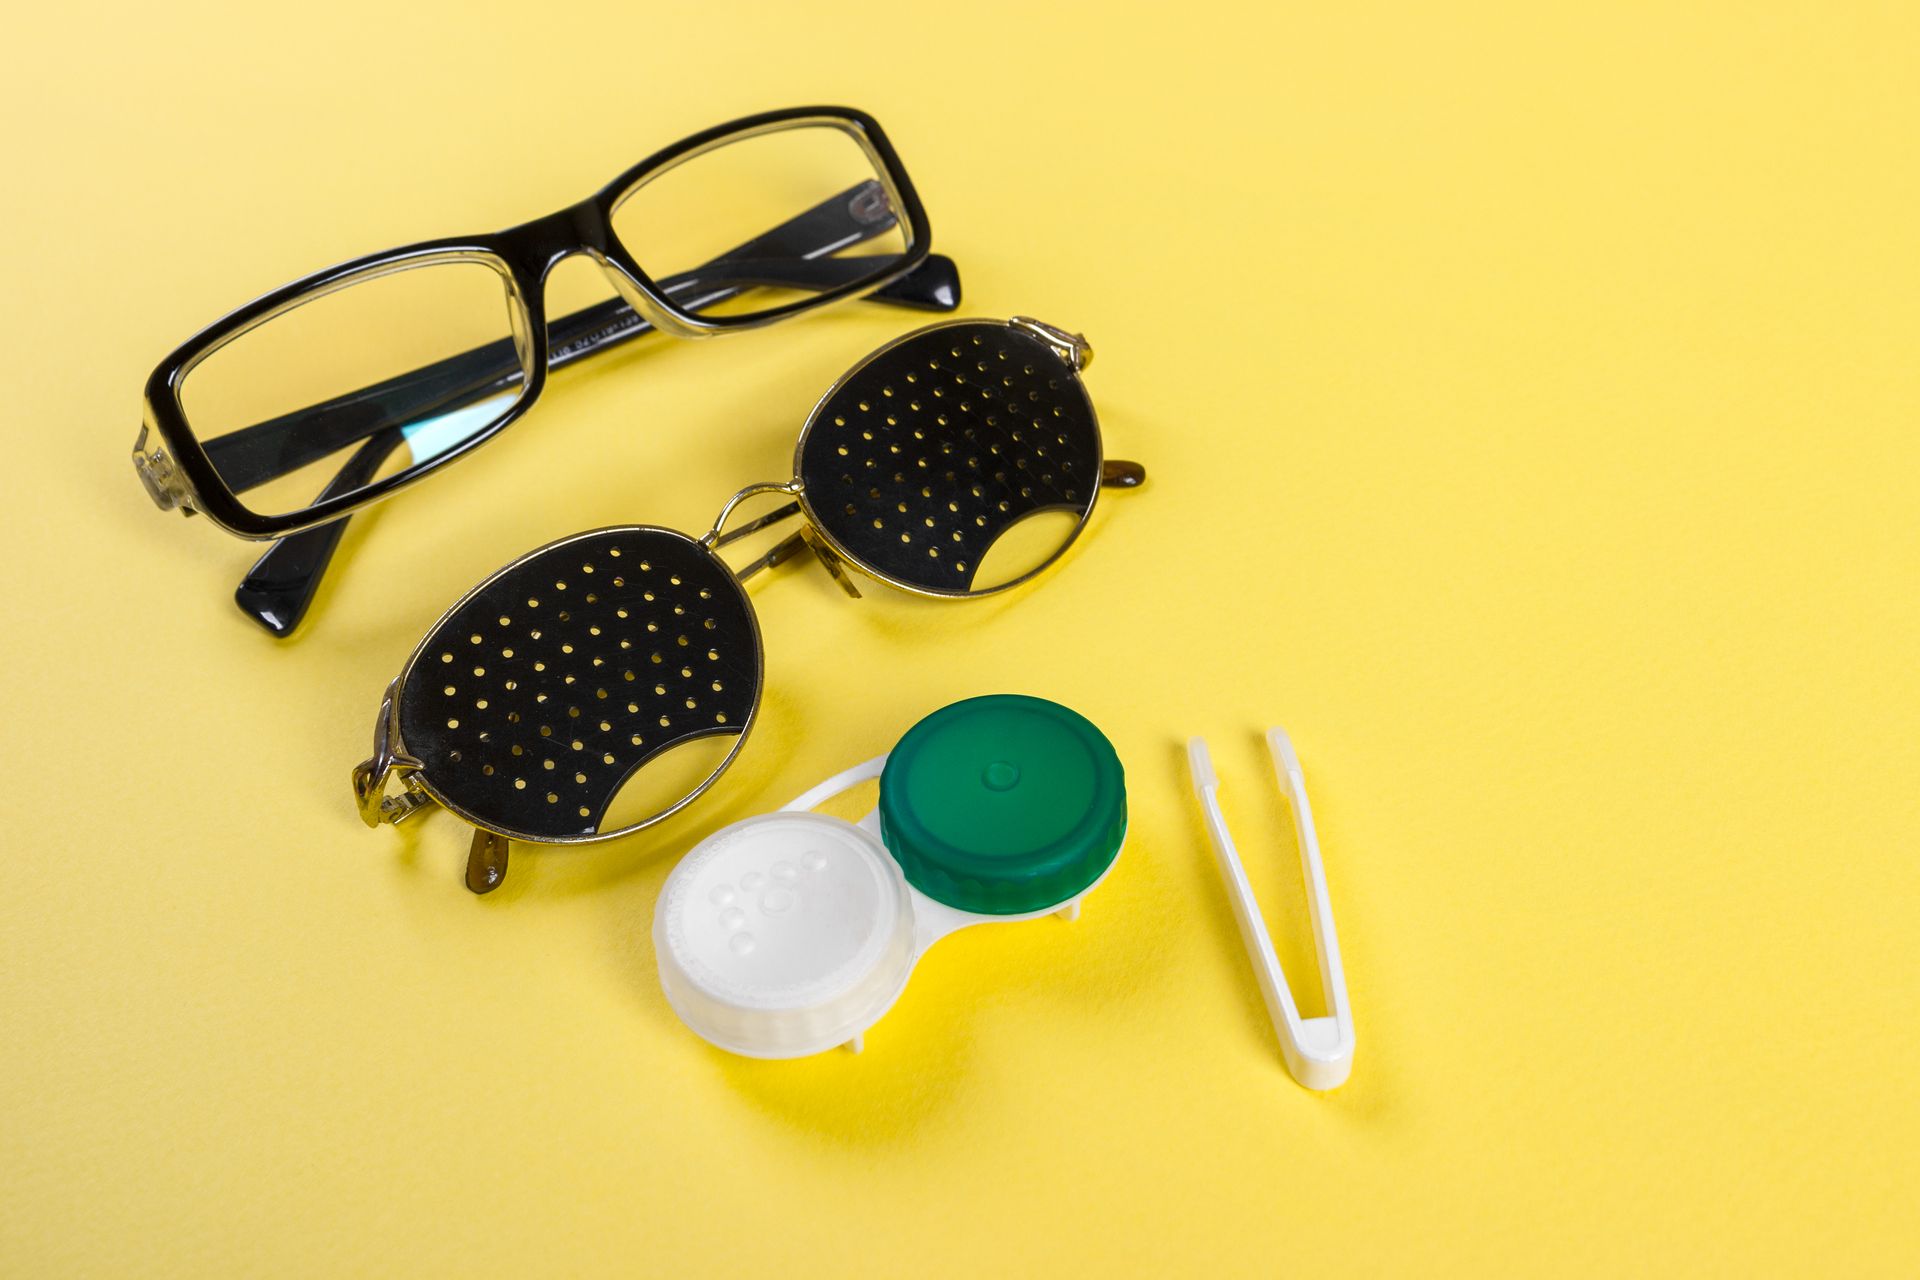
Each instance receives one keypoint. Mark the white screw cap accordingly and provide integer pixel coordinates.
(784, 935)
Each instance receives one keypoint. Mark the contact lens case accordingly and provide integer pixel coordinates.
(790, 933)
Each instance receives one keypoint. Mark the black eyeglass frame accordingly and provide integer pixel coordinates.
(525, 255)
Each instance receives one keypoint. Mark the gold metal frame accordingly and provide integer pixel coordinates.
(487, 860)
(391, 761)
(1073, 349)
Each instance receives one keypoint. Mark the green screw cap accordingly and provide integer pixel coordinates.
(1003, 805)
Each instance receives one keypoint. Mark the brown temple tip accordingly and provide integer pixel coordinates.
(486, 862)
(1117, 473)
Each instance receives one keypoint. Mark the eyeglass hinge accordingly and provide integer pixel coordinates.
(1071, 347)
(370, 775)
(163, 480)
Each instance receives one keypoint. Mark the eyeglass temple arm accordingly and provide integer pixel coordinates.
(1115, 473)
(280, 586)
(282, 582)
(784, 550)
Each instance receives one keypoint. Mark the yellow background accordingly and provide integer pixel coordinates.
(1530, 398)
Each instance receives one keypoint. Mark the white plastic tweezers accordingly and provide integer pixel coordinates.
(1318, 1051)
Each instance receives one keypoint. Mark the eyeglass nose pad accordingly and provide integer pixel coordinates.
(641, 304)
(830, 560)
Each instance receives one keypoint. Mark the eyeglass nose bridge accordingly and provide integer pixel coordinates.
(535, 249)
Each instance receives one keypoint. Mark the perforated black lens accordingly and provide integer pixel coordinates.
(540, 695)
(945, 447)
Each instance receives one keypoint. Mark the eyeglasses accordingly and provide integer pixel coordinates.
(337, 390)
(958, 461)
